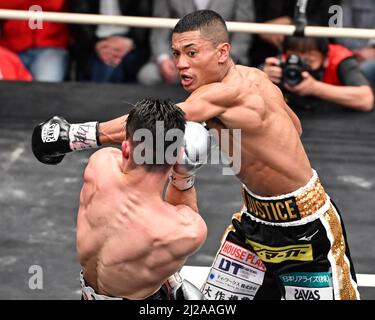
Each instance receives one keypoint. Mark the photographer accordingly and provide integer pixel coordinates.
(311, 67)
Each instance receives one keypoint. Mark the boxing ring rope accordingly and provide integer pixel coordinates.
(151, 22)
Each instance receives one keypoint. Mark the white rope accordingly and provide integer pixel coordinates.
(151, 22)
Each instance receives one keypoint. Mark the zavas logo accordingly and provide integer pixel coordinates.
(301, 294)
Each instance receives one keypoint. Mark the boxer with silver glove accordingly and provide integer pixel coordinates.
(197, 144)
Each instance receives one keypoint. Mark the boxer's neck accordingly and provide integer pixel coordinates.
(149, 181)
(226, 69)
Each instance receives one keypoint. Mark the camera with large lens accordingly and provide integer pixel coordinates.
(292, 68)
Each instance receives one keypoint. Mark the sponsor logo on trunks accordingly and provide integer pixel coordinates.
(268, 254)
(50, 132)
(285, 210)
(238, 253)
(307, 279)
(297, 293)
(231, 283)
(238, 269)
(213, 293)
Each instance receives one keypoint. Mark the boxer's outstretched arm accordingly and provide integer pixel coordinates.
(208, 102)
(112, 131)
(54, 138)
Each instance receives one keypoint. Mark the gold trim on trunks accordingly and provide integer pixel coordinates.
(288, 209)
(346, 289)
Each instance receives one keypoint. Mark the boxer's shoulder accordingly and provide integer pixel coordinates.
(101, 161)
(104, 154)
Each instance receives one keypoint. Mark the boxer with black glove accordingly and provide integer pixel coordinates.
(52, 139)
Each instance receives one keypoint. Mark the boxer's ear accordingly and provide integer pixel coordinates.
(223, 51)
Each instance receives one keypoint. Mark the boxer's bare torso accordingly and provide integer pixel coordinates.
(229, 96)
(129, 240)
(273, 160)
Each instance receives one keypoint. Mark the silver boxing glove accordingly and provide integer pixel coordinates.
(197, 147)
(182, 289)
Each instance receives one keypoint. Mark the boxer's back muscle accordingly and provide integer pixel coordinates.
(128, 240)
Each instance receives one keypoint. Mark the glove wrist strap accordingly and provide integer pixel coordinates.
(83, 136)
(182, 183)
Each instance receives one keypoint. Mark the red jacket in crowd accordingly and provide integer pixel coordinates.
(17, 36)
(336, 55)
(11, 67)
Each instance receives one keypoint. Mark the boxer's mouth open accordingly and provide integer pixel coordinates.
(186, 80)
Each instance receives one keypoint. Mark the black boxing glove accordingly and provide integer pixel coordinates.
(52, 139)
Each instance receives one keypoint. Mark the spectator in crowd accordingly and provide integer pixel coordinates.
(109, 53)
(161, 68)
(282, 12)
(41, 47)
(360, 14)
(12, 68)
(315, 68)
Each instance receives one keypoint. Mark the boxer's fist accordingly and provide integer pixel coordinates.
(197, 146)
(52, 139)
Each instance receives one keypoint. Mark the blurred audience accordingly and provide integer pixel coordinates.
(110, 53)
(282, 12)
(42, 50)
(161, 68)
(311, 67)
(12, 68)
(118, 54)
(361, 14)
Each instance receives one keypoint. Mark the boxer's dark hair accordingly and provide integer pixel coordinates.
(306, 44)
(145, 115)
(208, 22)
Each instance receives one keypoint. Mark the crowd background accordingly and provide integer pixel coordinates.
(117, 54)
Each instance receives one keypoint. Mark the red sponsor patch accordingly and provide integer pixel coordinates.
(238, 253)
